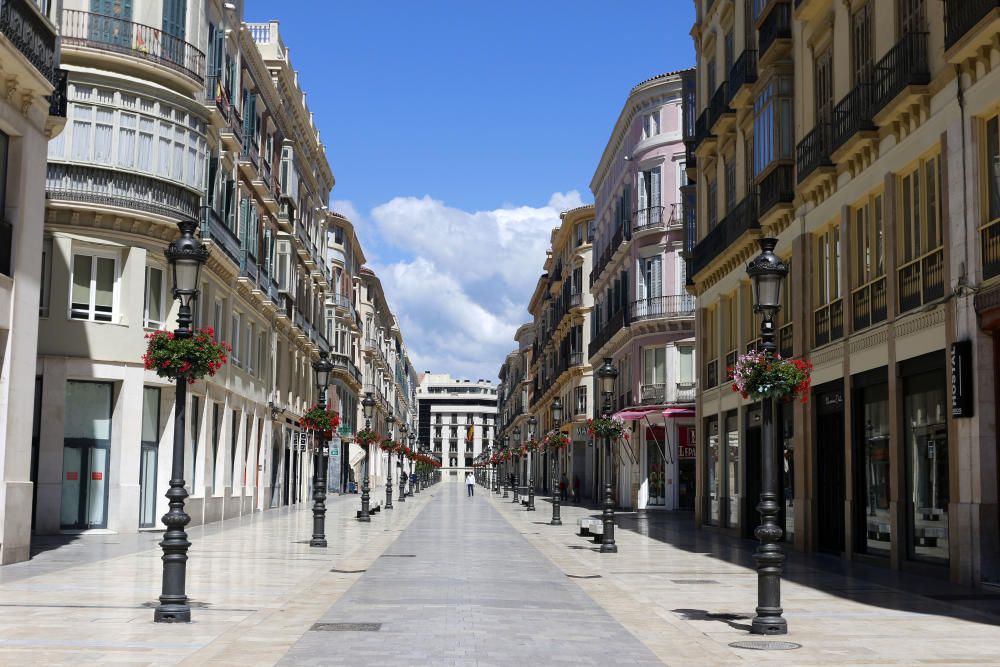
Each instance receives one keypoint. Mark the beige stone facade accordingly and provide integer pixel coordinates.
(863, 136)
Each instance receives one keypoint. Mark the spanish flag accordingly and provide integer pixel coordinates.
(470, 433)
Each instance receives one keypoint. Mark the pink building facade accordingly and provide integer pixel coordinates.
(643, 319)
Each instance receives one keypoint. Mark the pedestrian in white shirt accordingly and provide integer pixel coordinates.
(470, 483)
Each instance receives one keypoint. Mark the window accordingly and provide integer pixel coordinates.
(650, 277)
(730, 183)
(580, 400)
(654, 365)
(990, 231)
(234, 337)
(94, 287)
(868, 293)
(45, 289)
(154, 310)
(729, 47)
(921, 258)
(713, 203)
(773, 128)
(828, 317)
(911, 16)
(861, 44)
(710, 82)
(249, 347)
(823, 86)
(651, 124)
(4, 147)
(649, 192)
(685, 372)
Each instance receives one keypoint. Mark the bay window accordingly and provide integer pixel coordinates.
(773, 123)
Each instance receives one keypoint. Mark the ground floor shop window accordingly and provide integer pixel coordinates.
(148, 457)
(86, 451)
(925, 441)
(714, 465)
(872, 405)
(656, 466)
(733, 469)
(685, 467)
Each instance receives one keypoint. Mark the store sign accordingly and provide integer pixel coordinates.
(961, 378)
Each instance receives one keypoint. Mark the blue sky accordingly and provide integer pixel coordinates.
(469, 124)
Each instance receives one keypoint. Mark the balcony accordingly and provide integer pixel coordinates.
(742, 77)
(57, 100)
(921, 280)
(576, 359)
(232, 132)
(739, 221)
(785, 340)
(703, 129)
(828, 322)
(868, 304)
(712, 374)
(614, 324)
(341, 301)
(905, 65)
(989, 243)
(775, 31)
(214, 229)
(117, 189)
(105, 33)
(6, 247)
(31, 34)
(961, 16)
(251, 155)
(853, 115)
(652, 394)
(685, 392)
(722, 116)
(286, 214)
(648, 218)
(662, 307)
(813, 152)
(778, 187)
(575, 299)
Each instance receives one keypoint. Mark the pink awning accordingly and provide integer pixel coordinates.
(674, 413)
(635, 413)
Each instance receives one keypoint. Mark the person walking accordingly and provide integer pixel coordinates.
(563, 487)
(470, 483)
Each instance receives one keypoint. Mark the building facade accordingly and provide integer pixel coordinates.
(456, 419)
(177, 110)
(514, 397)
(561, 308)
(643, 318)
(32, 112)
(863, 136)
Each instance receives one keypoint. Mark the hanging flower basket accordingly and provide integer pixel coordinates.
(366, 437)
(317, 419)
(556, 440)
(387, 445)
(532, 445)
(191, 358)
(613, 428)
(758, 375)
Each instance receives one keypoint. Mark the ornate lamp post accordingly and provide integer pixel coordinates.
(389, 421)
(532, 422)
(506, 478)
(556, 421)
(607, 374)
(186, 256)
(404, 440)
(767, 272)
(368, 407)
(414, 483)
(516, 435)
(322, 368)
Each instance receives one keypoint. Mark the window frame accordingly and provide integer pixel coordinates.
(146, 321)
(115, 315)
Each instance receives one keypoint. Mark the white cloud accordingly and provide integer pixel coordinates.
(462, 286)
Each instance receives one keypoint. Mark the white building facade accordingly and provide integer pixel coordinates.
(456, 419)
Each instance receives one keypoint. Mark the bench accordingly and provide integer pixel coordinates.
(373, 508)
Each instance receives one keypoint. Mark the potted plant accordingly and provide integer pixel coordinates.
(192, 357)
(556, 440)
(757, 375)
(366, 437)
(387, 445)
(613, 428)
(319, 420)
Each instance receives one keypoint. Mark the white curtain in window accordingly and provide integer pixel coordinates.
(144, 159)
(82, 121)
(104, 289)
(654, 187)
(126, 139)
(163, 150)
(102, 135)
(177, 173)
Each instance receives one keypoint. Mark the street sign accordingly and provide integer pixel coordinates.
(961, 378)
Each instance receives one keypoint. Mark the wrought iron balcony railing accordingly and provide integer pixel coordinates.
(828, 322)
(214, 229)
(813, 151)
(961, 16)
(777, 25)
(989, 243)
(108, 33)
(904, 65)
(776, 188)
(58, 99)
(94, 185)
(869, 304)
(676, 305)
(743, 73)
(31, 34)
(853, 114)
(921, 280)
(651, 394)
(741, 219)
(685, 392)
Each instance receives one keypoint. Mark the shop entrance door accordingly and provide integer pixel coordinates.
(830, 487)
(86, 445)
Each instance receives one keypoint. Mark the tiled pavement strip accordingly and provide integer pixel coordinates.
(670, 583)
(474, 591)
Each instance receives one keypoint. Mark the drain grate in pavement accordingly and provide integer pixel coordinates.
(347, 571)
(584, 576)
(766, 645)
(346, 627)
(694, 581)
(398, 556)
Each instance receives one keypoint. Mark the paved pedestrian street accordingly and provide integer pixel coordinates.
(443, 579)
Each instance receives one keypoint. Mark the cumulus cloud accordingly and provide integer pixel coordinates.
(461, 285)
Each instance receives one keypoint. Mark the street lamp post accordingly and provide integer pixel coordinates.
(516, 434)
(186, 255)
(556, 421)
(322, 367)
(389, 421)
(767, 272)
(415, 481)
(607, 374)
(404, 440)
(368, 406)
(532, 422)
(506, 477)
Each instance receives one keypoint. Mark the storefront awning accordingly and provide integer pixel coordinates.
(636, 413)
(676, 413)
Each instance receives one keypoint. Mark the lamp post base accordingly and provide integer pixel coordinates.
(365, 517)
(172, 613)
(608, 545)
